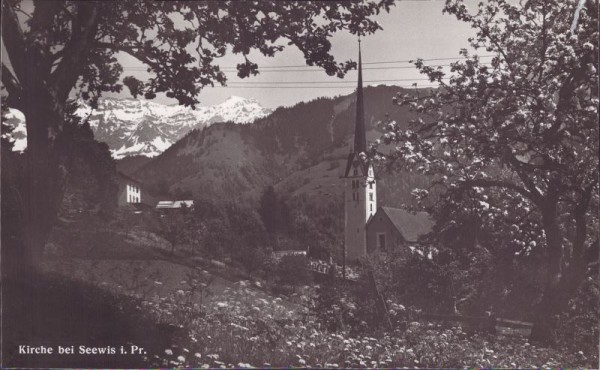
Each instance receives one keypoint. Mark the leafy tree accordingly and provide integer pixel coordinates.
(274, 212)
(515, 142)
(54, 47)
(90, 181)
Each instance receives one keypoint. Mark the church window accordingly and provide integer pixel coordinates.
(371, 197)
(371, 185)
(355, 172)
(371, 207)
(357, 198)
(381, 241)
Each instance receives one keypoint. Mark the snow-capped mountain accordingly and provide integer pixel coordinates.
(142, 127)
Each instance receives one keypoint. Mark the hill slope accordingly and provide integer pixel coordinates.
(300, 150)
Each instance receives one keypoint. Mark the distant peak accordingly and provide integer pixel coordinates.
(234, 97)
(237, 99)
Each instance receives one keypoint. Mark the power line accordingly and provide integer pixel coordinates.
(370, 63)
(319, 69)
(312, 87)
(327, 82)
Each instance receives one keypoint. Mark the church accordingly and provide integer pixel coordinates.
(367, 228)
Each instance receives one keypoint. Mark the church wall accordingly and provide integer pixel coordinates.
(381, 225)
(355, 222)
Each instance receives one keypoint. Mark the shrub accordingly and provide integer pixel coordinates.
(293, 270)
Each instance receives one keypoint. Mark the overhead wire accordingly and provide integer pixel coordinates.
(342, 84)
(312, 68)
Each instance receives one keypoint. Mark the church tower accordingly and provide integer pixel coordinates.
(360, 192)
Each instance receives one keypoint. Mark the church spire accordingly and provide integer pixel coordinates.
(360, 139)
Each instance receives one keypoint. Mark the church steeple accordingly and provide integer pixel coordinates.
(360, 139)
(360, 192)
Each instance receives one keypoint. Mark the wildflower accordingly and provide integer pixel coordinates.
(169, 352)
(198, 355)
(181, 358)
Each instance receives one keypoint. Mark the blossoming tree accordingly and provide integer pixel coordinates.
(515, 141)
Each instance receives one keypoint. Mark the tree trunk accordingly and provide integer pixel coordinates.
(43, 177)
(561, 282)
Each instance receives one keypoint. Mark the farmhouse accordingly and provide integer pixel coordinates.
(130, 190)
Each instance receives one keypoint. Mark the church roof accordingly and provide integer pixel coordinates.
(360, 138)
(410, 225)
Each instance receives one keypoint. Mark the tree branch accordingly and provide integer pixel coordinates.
(13, 38)
(83, 32)
(15, 91)
(500, 184)
(129, 49)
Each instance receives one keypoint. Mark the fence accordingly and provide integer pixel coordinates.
(491, 323)
(325, 268)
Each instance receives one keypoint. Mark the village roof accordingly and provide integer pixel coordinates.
(410, 225)
(124, 176)
(173, 204)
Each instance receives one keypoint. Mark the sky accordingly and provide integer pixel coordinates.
(412, 29)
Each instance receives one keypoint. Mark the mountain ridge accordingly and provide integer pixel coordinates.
(134, 127)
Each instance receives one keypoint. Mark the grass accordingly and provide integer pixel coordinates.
(190, 317)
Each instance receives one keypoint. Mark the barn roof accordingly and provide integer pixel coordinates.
(410, 225)
(174, 204)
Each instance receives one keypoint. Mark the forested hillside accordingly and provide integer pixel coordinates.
(300, 150)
